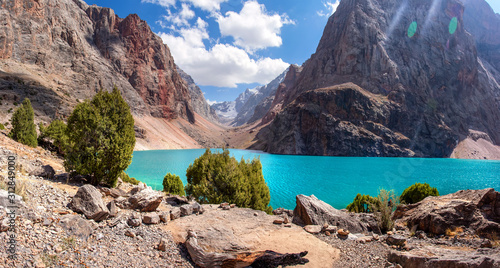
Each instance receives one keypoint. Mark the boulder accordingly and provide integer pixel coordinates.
(151, 218)
(281, 211)
(164, 216)
(88, 200)
(146, 200)
(141, 186)
(134, 222)
(476, 210)
(436, 256)
(197, 208)
(162, 246)
(312, 211)
(313, 229)
(396, 240)
(175, 213)
(45, 171)
(116, 192)
(75, 225)
(186, 210)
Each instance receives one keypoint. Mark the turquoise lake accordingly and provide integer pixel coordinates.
(335, 180)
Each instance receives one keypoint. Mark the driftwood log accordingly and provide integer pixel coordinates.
(258, 259)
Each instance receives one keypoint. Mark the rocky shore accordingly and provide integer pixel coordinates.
(62, 223)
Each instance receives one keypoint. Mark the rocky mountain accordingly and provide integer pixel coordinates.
(198, 101)
(390, 78)
(60, 52)
(242, 109)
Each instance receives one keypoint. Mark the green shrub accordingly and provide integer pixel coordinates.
(362, 203)
(173, 184)
(23, 125)
(2, 127)
(386, 203)
(216, 177)
(55, 134)
(417, 192)
(126, 178)
(101, 138)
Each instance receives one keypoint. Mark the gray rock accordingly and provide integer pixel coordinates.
(396, 240)
(197, 208)
(88, 200)
(45, 171)
(116, 192)
(134, 222)
(312, 211)
(186, 210)
(76, 226)
(313, 229)
(146, 200)
(175, 213)
(164, 217)
(476, 210)
(130, 233)
(151, 218)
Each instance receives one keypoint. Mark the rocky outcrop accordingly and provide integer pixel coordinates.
(244, 236)
(477, 145)
(142, 199)
(312, 211)
(433, 79)
(346, 120)
(474, 210)
(439, 257)
(198, 100)
(88, 200)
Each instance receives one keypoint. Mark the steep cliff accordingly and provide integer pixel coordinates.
(198, 101)
(60, 52)
(417, 57)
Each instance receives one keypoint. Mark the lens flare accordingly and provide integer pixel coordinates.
(452, 28)
(412, 29)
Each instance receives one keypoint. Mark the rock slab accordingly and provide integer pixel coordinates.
(88, 200)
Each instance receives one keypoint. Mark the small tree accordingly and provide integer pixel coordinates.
(417, 192)
(217, 177)
(385, 204)
(54, 134)
(173, 184)
(362, 203)
(23, 125)
(101, 138)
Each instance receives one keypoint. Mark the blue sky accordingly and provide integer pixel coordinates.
(230, 45)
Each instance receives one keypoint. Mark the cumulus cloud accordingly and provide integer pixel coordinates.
(180, 18)
(207, 5)
(163, 3)
(223, 65)
(253, 28)
(330, 7)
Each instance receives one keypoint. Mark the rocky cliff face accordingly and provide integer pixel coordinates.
(428, 87)
(198, 101)
(59, 52)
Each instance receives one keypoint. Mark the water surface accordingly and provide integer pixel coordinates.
(335, 180)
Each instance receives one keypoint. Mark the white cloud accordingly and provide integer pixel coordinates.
(207, 5)
(253, 28)
(330, 8)
(211, 102)
(223, 65)
(163, 3)
(180, 18)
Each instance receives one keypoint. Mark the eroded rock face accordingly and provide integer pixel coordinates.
(345, 120)
(433, 79)
(88, 200)
(71, 50)
(476, 210)
(312, 211)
